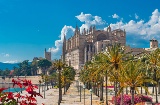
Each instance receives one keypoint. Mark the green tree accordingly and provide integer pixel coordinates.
(34, 67)
(24, 68)
(44, 64)
(16, 71)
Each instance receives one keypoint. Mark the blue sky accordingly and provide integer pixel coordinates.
(27, 27)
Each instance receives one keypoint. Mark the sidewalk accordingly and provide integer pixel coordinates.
(72, 97)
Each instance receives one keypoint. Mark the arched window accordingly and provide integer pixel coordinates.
(102, 37)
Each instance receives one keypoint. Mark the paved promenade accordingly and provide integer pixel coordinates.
(72, 97)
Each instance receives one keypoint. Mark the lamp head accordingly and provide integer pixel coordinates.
(90, 91)
(84, 86)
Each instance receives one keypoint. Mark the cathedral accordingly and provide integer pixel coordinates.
(80, 48)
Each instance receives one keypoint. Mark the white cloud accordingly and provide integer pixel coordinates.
(14, 61)
(148, 29)
(5, 55)
(68, 31)
(155, 18)
(90, 20)
(115, 16)
(136, 16)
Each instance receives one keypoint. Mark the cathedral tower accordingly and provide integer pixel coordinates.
(153, 43)
(64, 48)
(47, 55)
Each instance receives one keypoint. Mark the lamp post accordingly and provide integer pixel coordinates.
(39, 86)
(44, 88)
(91, 95)
(84, 93)
(80, 91)
(78, 86)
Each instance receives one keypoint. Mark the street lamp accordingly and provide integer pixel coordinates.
(84, 93)
(44, 88)
(91, 95)
(78, 86)
(80, 91)
(39, 85)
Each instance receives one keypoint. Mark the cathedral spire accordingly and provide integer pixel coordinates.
(64, 38)
(76, 30)
(64, 47)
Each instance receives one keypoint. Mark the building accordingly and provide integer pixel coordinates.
(47, 55)
(83, 45)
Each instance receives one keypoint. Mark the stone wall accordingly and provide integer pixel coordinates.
(34, 79)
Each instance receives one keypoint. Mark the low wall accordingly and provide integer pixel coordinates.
(34, 79)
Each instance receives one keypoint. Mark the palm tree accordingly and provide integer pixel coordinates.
(53, 78)
(58, 64)
(68, 75)
(133, 76)
(147, 71)
(154, 60)
(114, 56)
(101, 61)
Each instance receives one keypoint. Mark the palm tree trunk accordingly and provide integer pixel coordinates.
(158, 87)
(145, 89)
(126, 90)
(153, 90)
(64, 86)
(106, 89)
(94, 88)
(98, 91)
(155, 85)
(132, 93)
(115, 88)
(101, 90)
(60, 90)
(122, 97)
(141, 89)
(156, 93)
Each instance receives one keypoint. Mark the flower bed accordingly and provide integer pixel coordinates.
(138, 99)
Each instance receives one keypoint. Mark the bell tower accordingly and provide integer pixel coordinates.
(47, 55)
(153, 43)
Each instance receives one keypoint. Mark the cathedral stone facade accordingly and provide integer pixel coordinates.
(83, 45)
